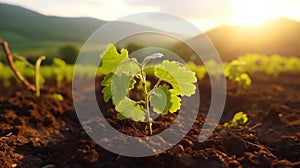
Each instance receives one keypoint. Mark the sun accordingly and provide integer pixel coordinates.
(251, 12)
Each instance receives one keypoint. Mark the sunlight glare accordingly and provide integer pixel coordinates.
(252, 12)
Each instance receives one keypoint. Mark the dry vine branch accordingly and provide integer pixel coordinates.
(10, 59)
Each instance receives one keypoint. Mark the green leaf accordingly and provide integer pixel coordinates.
(140, 86)
(200, 70)
(59, 62)
(107, 89)
(128, 108)
(238, 119)
(127, 66)
(178, 76)
(160, 99)
(117, 87)
(164, 100)
(106, 93)
(111, 59)
(245, 80)
(175, 100)
(57, 96)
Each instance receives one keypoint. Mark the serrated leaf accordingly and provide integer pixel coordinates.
(130, 109)
(128, 67)
(175, 101)
(120, 116)
(107, 79)
(153, 56)
(178, 76)
(107, 89)
(131, 84)
(111, 59)
(164, 100)
(107, 82)
(160, 99)
(120, 86)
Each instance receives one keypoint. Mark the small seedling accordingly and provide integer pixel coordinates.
(37, 75)
(124, 73)
(234, 71)
(239, 119)
(57, 96)
(58, 66)
(19, 76)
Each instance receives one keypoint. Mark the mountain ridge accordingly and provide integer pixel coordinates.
(41, 27)
(277, 36)
(28, 30)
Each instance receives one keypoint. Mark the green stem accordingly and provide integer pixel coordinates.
(157, 83)
(37, 75)
(148, 117)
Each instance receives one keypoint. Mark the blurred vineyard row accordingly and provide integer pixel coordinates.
(237, 70)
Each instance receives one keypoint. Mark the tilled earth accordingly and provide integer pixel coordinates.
(44, 132)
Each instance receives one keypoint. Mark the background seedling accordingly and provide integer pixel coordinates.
(19, 76)
(239, 119)
(37, 75)
(57, 96)
(235, 72)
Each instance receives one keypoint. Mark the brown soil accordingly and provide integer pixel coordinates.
(44, 132)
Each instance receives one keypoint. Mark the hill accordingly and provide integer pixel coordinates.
(279, 36)
(40, 27)
(31, 33)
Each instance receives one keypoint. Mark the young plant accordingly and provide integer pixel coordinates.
(239, 119)
(29, 70)
(57, 96)
(10, 60)
(17, 73)
(234, 71)
(58, 67)
(122, 73)
(38, 75)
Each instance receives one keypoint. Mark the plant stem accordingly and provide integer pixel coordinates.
(157, 83)
(37, 75)
(148, 117)
(10, 59)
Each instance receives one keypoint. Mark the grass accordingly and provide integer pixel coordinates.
(27, 47)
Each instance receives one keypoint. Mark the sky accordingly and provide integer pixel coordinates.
(204, 14)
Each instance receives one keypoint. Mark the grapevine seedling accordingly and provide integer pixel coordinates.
(10, 59)
(58, 65)
(19, 76)
(121, 77)
(57, 96)
(37, 75)
(234, 72)
(239, 119)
